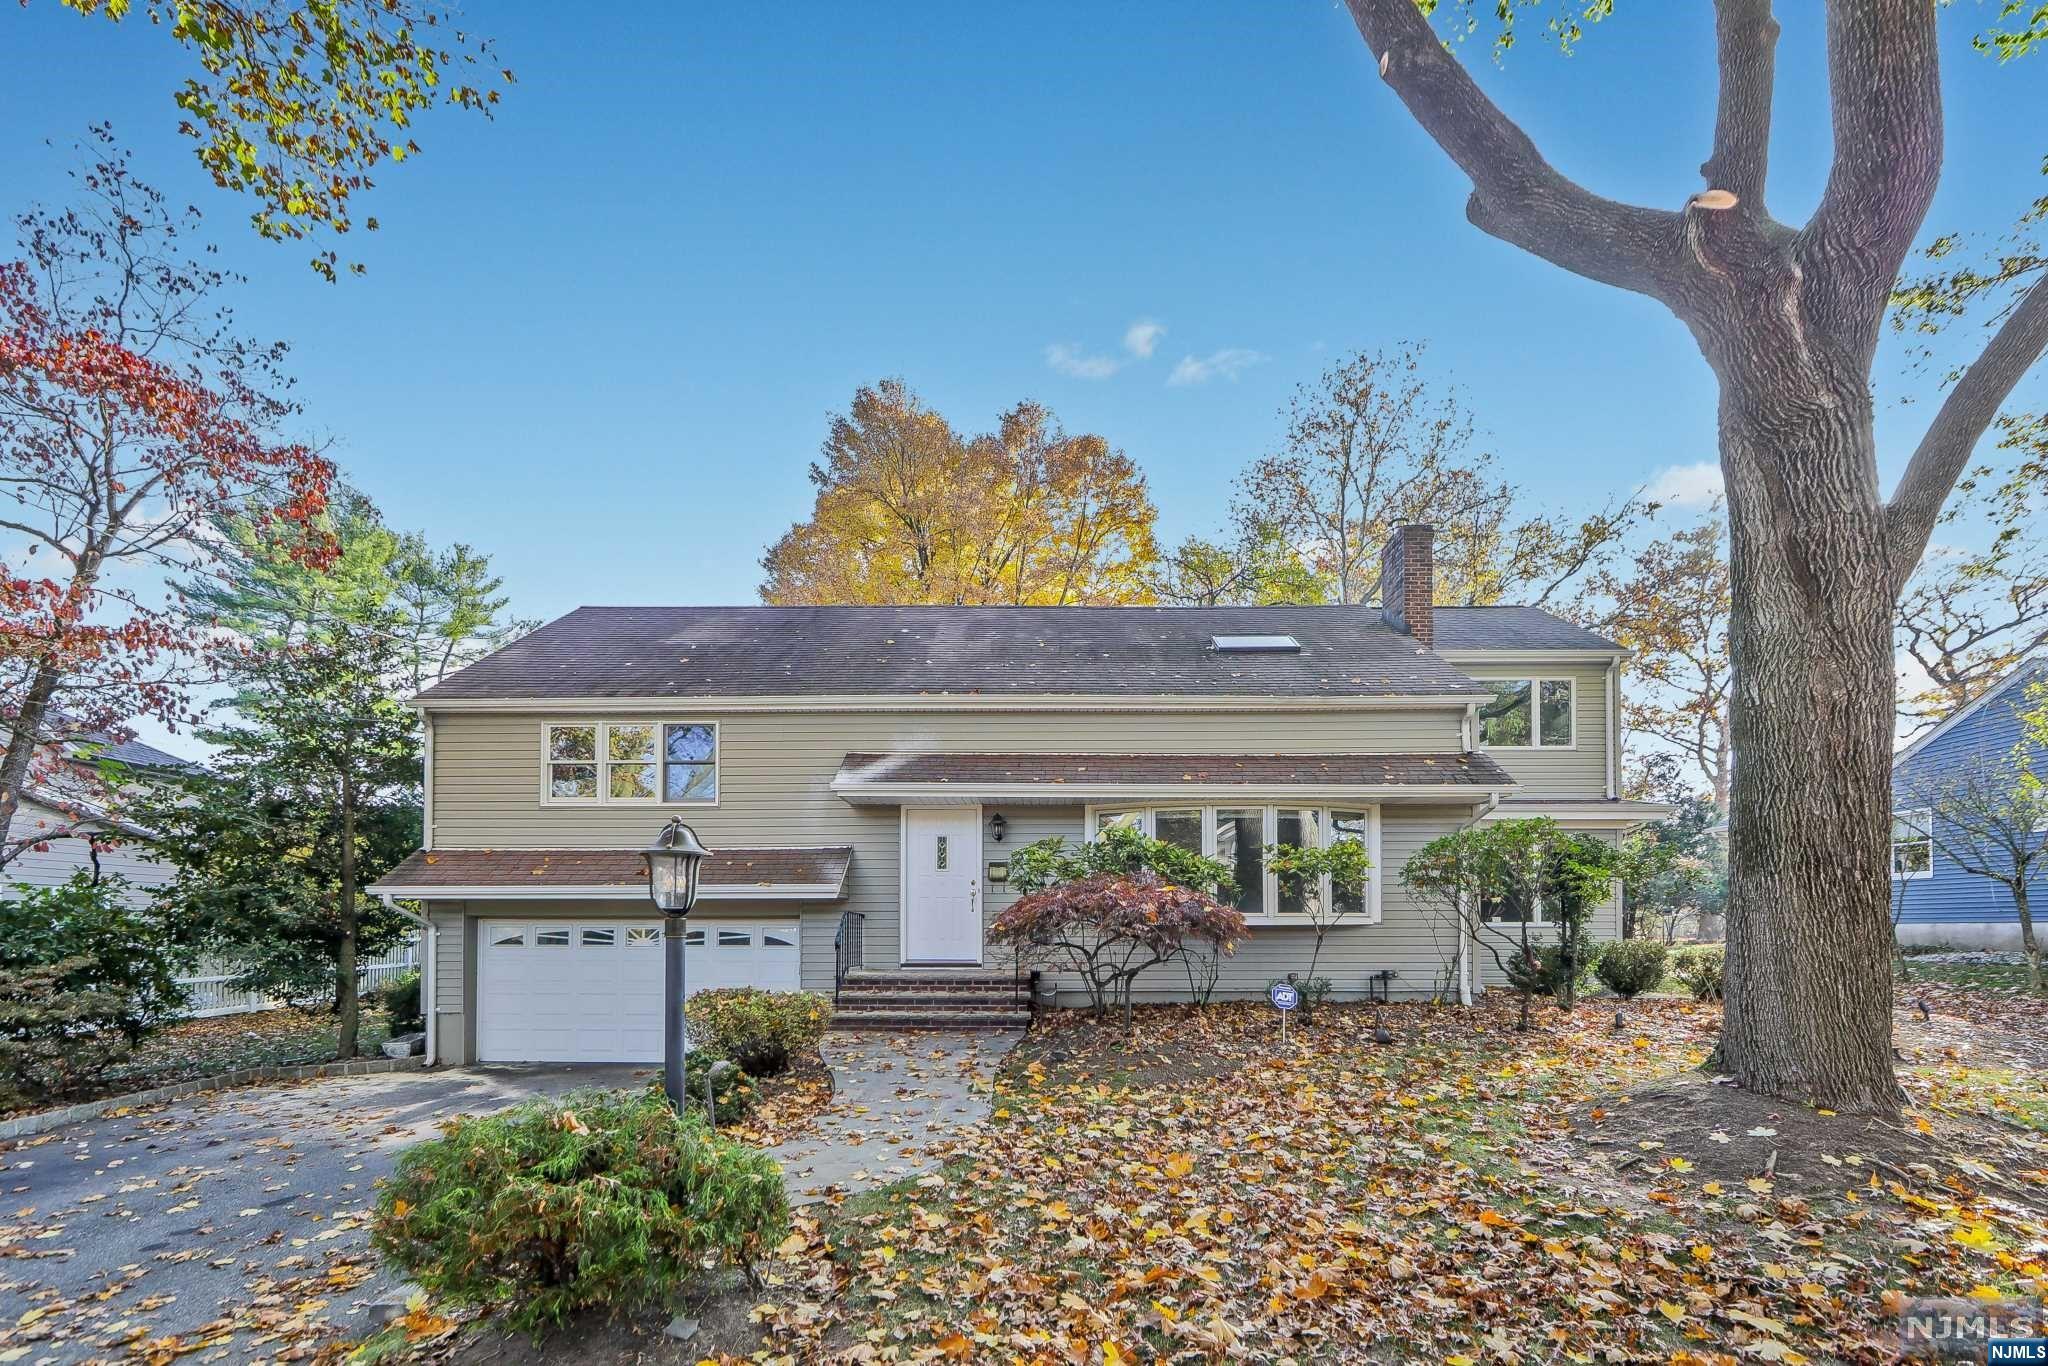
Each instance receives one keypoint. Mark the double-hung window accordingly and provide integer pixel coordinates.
(1913, 844)
(627, 763)
(1529, 713)
(1238, 835)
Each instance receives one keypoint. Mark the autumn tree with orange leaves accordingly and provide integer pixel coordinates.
(910, 510)
(132, 419)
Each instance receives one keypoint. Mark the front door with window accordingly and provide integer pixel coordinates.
(942, 885)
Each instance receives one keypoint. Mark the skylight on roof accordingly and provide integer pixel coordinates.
(1253, 645)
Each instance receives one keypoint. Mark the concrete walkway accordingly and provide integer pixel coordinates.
(894, 1096)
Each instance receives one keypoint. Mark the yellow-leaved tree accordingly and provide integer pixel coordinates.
(910, 510)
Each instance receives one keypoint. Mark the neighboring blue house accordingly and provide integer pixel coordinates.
(1942, 903)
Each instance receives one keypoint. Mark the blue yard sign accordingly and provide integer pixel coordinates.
(1283, 995)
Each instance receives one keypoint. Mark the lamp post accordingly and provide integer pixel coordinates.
(673, 862)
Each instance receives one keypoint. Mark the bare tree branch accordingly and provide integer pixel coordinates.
(1884, 82)
(1964, 417)
(1516, 195)
(1746, 33)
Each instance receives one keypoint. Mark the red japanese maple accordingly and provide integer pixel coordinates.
(131, 424)
(1106, 929)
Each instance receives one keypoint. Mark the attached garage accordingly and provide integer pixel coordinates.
(563, 990)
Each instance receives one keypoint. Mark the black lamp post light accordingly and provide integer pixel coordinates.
(673, 863)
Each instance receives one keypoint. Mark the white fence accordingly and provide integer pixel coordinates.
(211, 991)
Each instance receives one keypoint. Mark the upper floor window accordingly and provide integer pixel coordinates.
(1913, 843)
(1529, 713)
(628, 762)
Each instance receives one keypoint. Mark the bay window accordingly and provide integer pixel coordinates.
(629, 763)
(1238, 835)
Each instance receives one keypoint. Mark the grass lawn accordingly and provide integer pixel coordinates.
(1996, 976)
(224, 1043)
(1465, 1194)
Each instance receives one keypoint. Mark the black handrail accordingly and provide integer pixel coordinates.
(849, 949)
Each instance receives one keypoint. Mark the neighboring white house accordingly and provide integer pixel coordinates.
(63, 857)
(119, 851)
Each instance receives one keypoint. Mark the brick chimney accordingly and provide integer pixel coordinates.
(1408, 582)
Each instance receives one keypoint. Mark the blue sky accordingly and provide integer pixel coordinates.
(600, 336)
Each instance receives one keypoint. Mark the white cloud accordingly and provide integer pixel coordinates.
(1228, 363)
(1141, 338)
(1687, 486)
(1067, 358)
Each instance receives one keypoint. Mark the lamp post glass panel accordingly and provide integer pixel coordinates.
(673, 863)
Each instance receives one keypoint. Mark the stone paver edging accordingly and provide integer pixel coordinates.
(41, 1122)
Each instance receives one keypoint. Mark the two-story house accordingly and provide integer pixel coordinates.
(1934, 898)
(860, 774)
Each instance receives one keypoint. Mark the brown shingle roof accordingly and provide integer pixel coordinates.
(735, 869)
(880, 771)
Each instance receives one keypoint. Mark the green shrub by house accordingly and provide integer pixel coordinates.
(1541, 972)
(84, 978)
(1630, 967)
(732, 1096)
(594, 1200)
(760, 1030)
(1699, 967)
(400, 998)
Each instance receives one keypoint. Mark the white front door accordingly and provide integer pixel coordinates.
(942, 885)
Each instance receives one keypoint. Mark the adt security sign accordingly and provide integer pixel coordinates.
(1285, 997)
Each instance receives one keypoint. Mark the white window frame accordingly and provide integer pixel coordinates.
(1270, 891)
(1927, 820)
(603, 732)
(1535, 682)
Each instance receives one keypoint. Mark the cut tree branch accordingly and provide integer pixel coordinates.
(1746, 35)
(1517, 196)
(1964, 417)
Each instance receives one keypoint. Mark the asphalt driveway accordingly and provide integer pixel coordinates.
(236, 1220)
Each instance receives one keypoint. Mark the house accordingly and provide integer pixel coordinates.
(71, 802)
(1934, 900)
(860, 774)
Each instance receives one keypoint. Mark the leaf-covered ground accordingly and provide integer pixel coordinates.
(192, 1049)
(1465, 1193)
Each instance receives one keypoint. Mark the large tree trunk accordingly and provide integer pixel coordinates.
(1809, 928)
(347, 997)
(24, 734)
(2028, 944)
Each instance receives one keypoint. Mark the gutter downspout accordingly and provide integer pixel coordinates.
(1613, 733)
(428, 942)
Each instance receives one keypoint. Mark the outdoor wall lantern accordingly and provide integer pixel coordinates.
(997, 825)
(673, 863)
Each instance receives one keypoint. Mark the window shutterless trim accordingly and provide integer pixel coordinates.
(1535, 682)
(1926, 822)
(601, 732)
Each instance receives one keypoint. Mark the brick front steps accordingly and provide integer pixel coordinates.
(898, 999)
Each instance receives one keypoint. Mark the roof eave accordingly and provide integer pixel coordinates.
(706, 892)
(1051, 793)
(1079, 702)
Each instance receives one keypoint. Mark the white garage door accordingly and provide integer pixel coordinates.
(590, 990)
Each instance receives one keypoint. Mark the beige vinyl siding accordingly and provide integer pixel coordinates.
(775, 770)
(1580, 771)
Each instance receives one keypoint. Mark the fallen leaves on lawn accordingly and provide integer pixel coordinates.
(1205, 1192)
